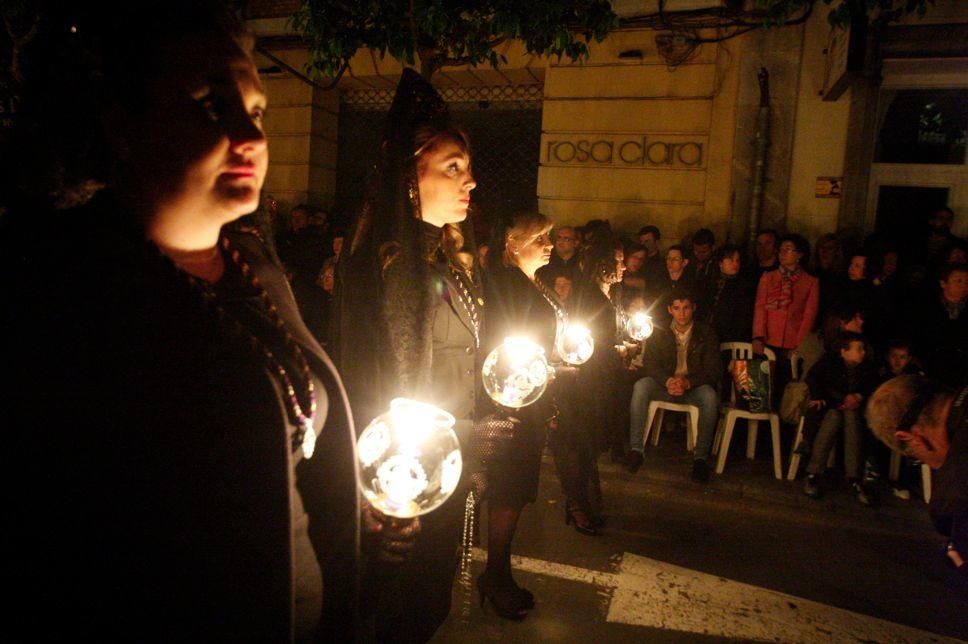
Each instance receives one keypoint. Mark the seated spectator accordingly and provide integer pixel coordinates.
(682, 364)
(654, 266)
(940, 328)
(899, 361)
(727, 303)
(659, 291)
(846, 318)
(839, 384)
(766, 253)
(702, 268)
(564, 256)
(786, 306)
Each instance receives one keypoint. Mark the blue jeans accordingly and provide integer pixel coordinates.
(704, 397)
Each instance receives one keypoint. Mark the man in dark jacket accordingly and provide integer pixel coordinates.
(683, 365)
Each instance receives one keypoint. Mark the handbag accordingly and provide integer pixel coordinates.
(752, 384)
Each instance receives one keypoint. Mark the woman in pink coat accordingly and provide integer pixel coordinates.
(787, 300)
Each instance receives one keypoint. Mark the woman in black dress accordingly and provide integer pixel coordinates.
(517, 305)
(411, 309)
(586, 398)
(202, 484)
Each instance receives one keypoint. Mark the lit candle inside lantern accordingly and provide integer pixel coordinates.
(575, 344)
(410, 460)
(639, 326)
(515, 372)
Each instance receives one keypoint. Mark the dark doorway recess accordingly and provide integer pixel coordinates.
(903, 213)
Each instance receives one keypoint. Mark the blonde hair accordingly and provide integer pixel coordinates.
(524, 226)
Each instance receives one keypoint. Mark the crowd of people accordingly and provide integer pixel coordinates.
(181, 458)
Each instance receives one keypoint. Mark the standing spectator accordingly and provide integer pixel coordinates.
(654, 266)
(673, 279)
(727, 304)
(786, 306)
(682, 364)
(940, 327)
(887, 293)
(564, 256)
(827, 267)
(839, 385)
(702, 268)
(939, 234)
(766, 257)
(633, 282)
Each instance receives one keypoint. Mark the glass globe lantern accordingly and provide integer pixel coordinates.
(515, 373)
(410, 460)
(575, 344)
(639, 326)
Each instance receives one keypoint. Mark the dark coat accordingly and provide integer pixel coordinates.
(146, 466)
(831, 381)
(703, 358)
(940, 342)
(727, 306)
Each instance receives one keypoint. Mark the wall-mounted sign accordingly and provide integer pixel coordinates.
(829, 187)
(636, 150)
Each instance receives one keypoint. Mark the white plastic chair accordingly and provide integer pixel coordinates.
(895, 473)
(657, 409)
(729, 414)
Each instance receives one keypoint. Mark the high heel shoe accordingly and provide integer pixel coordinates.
(583, 522)
(505, 599)
(526, 598)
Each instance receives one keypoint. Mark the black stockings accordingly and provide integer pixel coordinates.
(502, 523)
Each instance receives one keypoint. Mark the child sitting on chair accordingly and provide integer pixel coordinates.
(839, 385)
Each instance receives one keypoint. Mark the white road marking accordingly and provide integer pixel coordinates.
(646, 592)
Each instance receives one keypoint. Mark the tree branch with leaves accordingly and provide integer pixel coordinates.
(442, 33)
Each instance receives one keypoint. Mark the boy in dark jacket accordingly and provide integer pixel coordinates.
(840, 384)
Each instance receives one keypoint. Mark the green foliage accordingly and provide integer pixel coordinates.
(842, 12)
(447, 32)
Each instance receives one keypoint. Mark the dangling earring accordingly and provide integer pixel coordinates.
(414, 195)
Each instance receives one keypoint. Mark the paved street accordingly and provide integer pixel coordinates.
(745, 558)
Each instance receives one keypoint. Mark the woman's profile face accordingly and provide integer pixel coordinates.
(445, 181)
(533, 251)
(198, 147)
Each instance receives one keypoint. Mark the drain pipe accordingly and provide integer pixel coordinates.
(761, 143)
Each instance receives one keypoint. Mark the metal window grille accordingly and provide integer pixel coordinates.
(504, 126)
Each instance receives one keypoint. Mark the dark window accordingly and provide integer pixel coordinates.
(924, 126)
